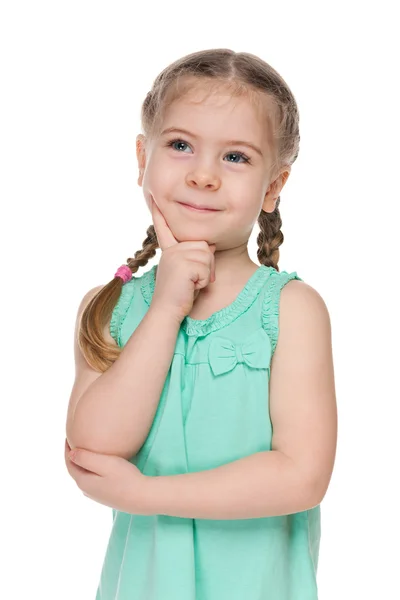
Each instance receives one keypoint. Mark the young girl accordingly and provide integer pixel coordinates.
(204, 407)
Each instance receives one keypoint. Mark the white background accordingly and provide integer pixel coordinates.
(73, 76)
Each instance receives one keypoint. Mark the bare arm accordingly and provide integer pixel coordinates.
(295, 474)
(112, 412)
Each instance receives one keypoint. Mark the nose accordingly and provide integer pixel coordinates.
(203, 177)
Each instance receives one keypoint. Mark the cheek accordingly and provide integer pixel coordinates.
(150, 185)
(159, 180)
(246, 204)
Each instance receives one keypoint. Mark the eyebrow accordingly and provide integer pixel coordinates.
(228, 142)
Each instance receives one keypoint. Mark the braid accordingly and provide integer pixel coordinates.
(148, 250)
(270, 237)
(248, 74)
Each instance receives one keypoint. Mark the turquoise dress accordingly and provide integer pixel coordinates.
(213, 410)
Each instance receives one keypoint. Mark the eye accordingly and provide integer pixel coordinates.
(178, 142)
(235, 154)
(239, 155)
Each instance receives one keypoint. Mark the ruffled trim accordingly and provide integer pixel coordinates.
(270, 310)
(121, 309)
(222, 317)
(148, 284)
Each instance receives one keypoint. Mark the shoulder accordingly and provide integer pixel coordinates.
(305, 335)
(88, 296)
(302, 306)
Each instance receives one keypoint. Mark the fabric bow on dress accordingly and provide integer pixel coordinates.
(224, 355)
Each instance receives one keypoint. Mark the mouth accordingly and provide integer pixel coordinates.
(199, 209)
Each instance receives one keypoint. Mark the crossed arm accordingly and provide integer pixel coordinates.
(295, 474)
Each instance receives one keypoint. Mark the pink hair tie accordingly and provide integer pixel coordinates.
(124, 272)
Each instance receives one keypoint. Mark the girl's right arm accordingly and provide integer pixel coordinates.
(112, 412)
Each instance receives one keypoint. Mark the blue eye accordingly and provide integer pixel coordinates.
(240, 155)
(236, 154)
(172, 142)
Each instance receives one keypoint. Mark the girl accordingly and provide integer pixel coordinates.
(204, 407)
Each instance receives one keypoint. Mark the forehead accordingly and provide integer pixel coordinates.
(221, 113)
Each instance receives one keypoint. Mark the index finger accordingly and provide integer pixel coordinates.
(164, 234)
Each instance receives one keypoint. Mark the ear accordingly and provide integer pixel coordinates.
(141, 156)
(274, 190)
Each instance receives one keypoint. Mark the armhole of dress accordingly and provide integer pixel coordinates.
(121, 309)
(270, 312)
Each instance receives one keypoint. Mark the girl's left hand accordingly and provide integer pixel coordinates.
(109, 480)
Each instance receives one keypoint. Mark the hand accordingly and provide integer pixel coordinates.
(184, 268)
(109, 480)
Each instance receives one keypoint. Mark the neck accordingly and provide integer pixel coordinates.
(232, 267)
(231, 264)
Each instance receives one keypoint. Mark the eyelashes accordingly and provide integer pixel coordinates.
(245, 158)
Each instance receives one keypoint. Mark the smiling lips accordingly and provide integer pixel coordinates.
(200, 209)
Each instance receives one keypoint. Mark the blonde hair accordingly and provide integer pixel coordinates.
(242, 73)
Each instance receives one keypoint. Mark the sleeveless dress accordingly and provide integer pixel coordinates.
(214, 409)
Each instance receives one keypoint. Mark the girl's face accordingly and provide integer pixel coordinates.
(218, 155)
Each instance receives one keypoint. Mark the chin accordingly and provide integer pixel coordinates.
(194, 235)
(190, 237)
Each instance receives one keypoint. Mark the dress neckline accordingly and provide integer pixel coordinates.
(222, 317)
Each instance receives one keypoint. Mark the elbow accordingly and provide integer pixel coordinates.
(75, 438)
(317, 491)
(80, 436)
(88, 436)
(99, 442)
(70, 434)
(77, 433)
